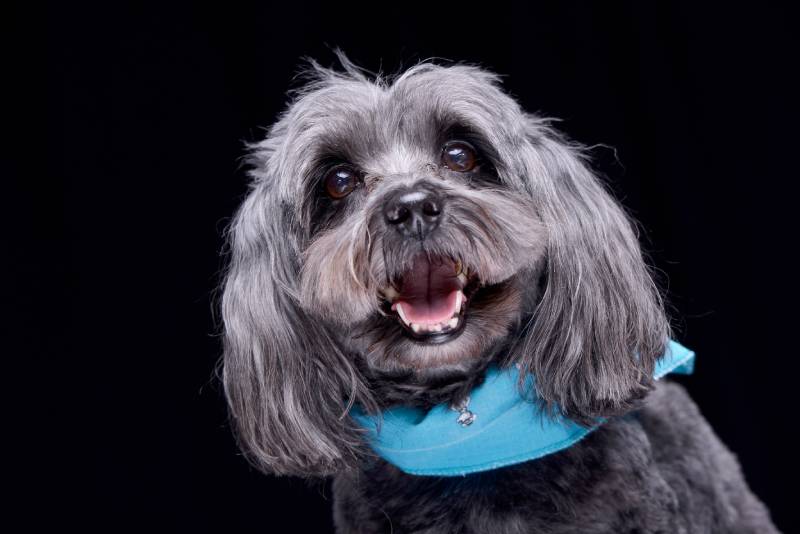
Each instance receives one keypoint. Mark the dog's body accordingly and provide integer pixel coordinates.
(401, 237)
(658, 469)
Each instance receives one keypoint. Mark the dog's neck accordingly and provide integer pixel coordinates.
(423, 390)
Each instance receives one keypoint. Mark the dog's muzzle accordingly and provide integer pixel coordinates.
(430, 298)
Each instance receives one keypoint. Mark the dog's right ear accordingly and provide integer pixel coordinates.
(287, 382)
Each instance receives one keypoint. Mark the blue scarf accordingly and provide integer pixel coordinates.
(496, 427)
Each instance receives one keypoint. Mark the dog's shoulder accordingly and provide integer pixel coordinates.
(682, 442)
(669, 398)
(670, 417)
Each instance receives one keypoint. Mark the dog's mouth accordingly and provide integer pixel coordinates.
(431, 299)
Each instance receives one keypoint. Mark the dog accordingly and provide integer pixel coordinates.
(404, 237)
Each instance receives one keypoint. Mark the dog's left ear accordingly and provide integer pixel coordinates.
(600, 324)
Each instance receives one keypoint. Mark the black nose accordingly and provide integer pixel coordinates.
(413, 213)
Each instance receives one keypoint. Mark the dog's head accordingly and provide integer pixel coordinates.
(408, 231)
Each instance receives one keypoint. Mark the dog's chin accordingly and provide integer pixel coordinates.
(440, 316)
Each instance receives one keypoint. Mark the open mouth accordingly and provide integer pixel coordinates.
(431, 300)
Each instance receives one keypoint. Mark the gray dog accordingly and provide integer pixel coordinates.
(403, 236)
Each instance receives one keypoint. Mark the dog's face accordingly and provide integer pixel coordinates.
(408, 229)
(419, 241)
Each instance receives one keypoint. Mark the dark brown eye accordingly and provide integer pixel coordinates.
(459, 156)
(340, 181)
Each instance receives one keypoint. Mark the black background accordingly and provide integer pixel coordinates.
(693, 110)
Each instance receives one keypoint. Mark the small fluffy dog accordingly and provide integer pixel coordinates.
(403, 234)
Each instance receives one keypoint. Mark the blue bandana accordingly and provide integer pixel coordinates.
(496, 427)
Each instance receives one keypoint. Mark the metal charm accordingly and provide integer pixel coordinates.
(465, 416)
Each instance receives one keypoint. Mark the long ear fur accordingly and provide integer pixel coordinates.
(288, 384)
(600, 325)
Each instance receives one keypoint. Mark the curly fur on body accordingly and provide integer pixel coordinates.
(553, 279)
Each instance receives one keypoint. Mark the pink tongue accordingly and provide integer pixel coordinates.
(429, 292)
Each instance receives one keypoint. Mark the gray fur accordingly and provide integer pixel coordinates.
(565, 292)
(660, 469)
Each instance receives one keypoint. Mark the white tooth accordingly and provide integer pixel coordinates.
(437, 327)
(462, 278)
(390, 293)
(452, 323)
(402, 315)
(415, 327)
(459, 298)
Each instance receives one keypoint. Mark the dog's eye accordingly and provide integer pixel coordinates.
(340, 181)
(459, 156)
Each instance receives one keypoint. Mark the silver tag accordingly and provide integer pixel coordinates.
(465, 416)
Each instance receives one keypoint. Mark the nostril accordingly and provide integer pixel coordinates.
(397, 214)
(431, 208)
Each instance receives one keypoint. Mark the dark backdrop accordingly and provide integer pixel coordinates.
(692, 109)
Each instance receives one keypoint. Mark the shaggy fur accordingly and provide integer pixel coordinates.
(555, 282)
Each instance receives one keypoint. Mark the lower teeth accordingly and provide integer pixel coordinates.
(450, 324)
(438, 327)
